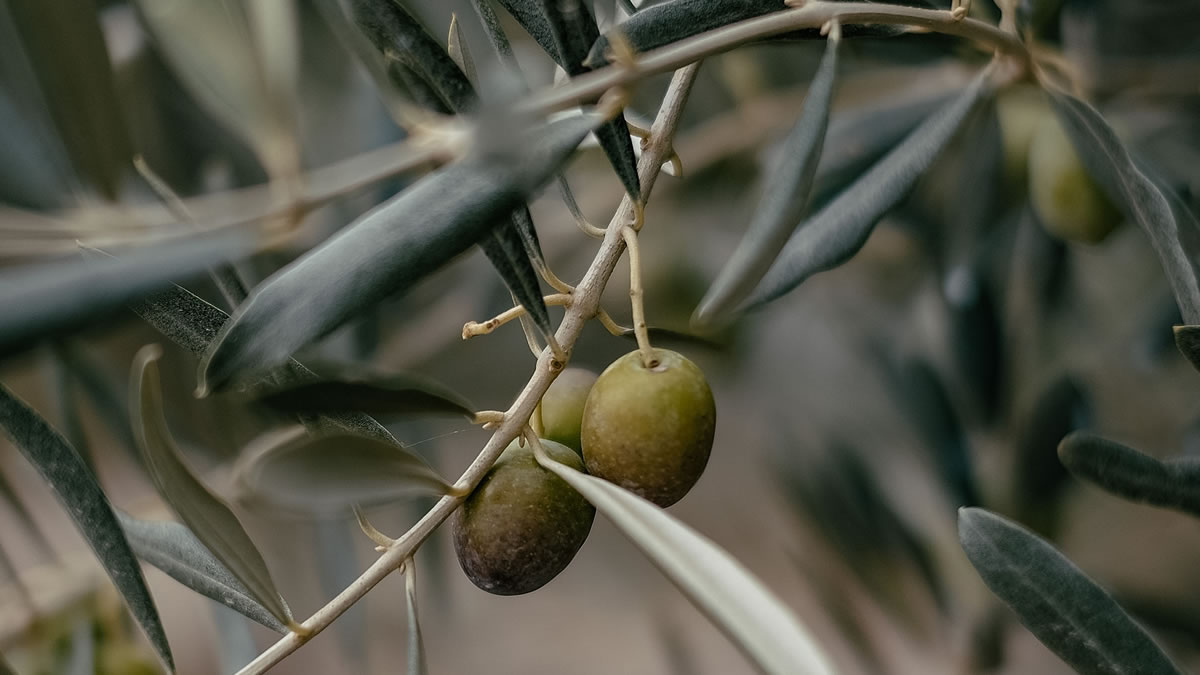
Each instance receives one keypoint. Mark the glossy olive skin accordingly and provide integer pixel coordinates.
(562, 407)
(1066, 200)
(522, 525)
(650, 430)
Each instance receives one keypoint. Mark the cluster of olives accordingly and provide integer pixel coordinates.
(1069, 204)
(647, 427)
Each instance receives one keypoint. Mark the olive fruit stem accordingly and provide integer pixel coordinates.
(581, 310)
(636, 296)
(473, 329)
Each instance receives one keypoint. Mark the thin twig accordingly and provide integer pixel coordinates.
(473, 329)
(586, 301)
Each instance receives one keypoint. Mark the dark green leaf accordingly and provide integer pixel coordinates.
(574, 31)
(340, 387)
(1056, 601)
(325, 473)
(76, 488)
(1133, 475)
(35, 172)
(976, 335)
(735, 600)
(840, 229)
(667, 22)
(495, 34)
(1056, 409)
(1110, 165)
(785, 198)
(529, 14)
(387, 250)
(210, 519)
(857, 138)
(54, 299)
(173, 548)
(398, 35)
(192, 323)
(65, 47)
(1187, 339)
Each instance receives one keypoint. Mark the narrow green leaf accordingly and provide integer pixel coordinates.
(529, 14)
(666, 22)
(840, 229)
(387, 250)
(65, 47)
(858, 138)
(77, 490)
(574, 31)
(1042, 421)
(460, 51)
(785, 198)
(54, 299)
(736, 601)
(1056, 601)
(192, 323)
(398, 35)
(495, 34)
(212, 47)
(173, 548)
(82, 658)
(203, 512)
(1111, 166)
(343, 387)
(325, 473)
(1127, 473)
(416, 646)
(1187, 339)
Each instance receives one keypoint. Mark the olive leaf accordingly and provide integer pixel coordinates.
(857, 138)
(172, 548)
(192, 323)
(460, 51)
(1125, 472)
(1187, 339)
(35, 172)
(62, 46)
(1053, 411)
(330, 472)
(725, 591)
(214, 47)
(398, 35)
(1115, 170)
(75, 487)
(81, 659)
(661, 24)
(342, 387)
(54, 299)
(574, 31)
(387, 250)
(416, 646)
(835, 233)
(495, 34)
(976, 335)
(785, 198)
(210, 519)
(1077, 619)
(530, 16)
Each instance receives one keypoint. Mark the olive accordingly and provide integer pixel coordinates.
(650, 429)
(562, 406)
(522, 524)
(1020, 110)
(1069, 204)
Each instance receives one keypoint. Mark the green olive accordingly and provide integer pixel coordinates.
(562, 406)
(1020, 110)
(650, 430)
(1068, 202)
(522, 525)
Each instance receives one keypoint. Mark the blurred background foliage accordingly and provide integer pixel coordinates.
(939, 368)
